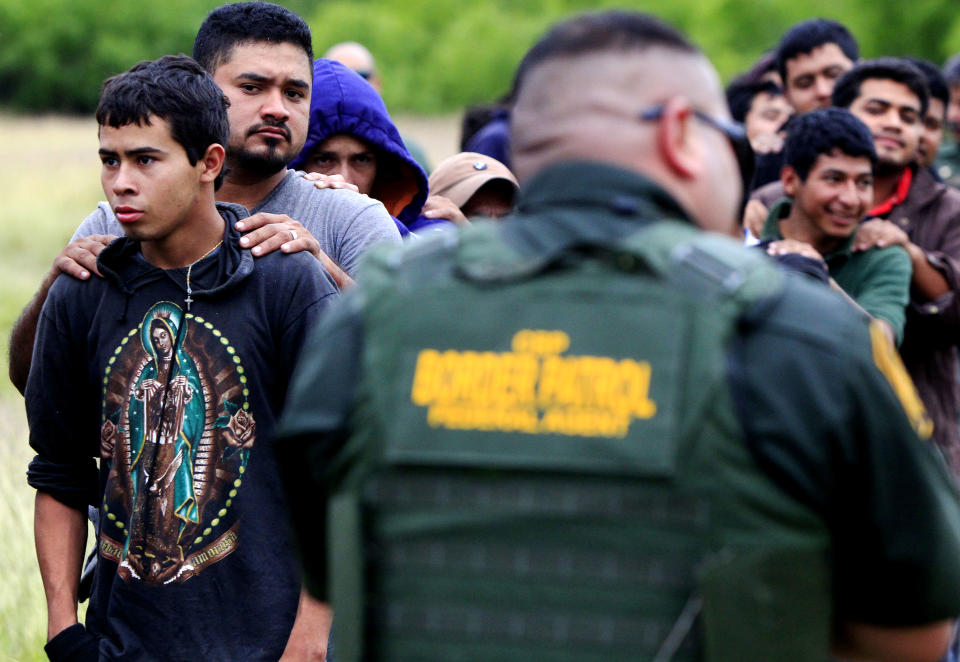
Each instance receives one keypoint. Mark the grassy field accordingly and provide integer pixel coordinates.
(50, 181)
(22, 615)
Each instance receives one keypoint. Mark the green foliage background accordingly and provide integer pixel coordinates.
(435, 55)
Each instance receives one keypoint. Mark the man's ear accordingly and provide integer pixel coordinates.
(791, 181)
(212, 162)
(677, 141)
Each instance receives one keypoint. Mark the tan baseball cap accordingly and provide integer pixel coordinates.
(460, 176)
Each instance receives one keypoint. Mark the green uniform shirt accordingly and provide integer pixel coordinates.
(878, 279)
(803, 431)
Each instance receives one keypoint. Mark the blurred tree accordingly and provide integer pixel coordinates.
(435, 56)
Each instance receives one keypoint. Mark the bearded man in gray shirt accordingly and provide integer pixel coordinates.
(261, 56)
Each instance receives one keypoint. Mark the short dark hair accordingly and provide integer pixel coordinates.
(603, 32)
(245, 22)
(174, 88)
(897, 69)
(804, 37)
(765, 64)
(821, 132)
(936, 83)
(951, 70)
(740, 96)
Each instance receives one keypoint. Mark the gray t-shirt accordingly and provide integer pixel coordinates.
(345, 223)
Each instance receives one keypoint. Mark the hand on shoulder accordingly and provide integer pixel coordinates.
(79, 257)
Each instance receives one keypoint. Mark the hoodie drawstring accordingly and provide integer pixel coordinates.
(126, 305)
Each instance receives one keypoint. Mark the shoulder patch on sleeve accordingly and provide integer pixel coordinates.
(888, 362)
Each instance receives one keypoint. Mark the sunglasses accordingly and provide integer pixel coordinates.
(734, 132)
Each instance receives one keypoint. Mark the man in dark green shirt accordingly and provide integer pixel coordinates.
(828, 173)
(600, 431)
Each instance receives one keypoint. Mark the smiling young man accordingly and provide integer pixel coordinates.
(260, 54)
(911, 209)
(171, 371)
(828, 176)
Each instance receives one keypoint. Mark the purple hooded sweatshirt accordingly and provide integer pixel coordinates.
(344, 103)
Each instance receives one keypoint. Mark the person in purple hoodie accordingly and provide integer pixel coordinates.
(351, 134)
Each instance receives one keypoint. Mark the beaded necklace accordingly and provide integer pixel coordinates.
(189, 300)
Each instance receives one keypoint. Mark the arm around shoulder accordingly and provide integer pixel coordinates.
(884, 292)
(24, 332)
(77, 259)
(936, 277)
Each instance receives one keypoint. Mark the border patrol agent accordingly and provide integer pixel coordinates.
(596, 432)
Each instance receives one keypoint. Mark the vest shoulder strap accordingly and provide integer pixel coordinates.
(703, 265)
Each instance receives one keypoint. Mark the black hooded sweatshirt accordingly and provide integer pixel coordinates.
(178, 405)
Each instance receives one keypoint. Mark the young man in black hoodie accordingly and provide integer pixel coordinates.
(171, 370)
